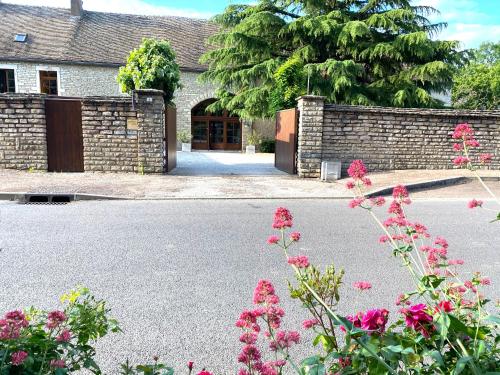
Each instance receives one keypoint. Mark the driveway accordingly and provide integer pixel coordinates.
(176, 274)
(218, 163)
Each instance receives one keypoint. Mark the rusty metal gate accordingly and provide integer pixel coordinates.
(64, 134)
(170, 139)
(285, 157)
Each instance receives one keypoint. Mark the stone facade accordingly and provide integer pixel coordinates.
(23, 144)
(116, 136)
(92, 80)
(108, 144)
(387, 138)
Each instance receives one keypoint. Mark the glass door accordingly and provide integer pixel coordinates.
(217, 135)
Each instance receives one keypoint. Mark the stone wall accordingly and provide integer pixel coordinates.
(23, 144)
(387, 138)
(108, 142)
(116, 135)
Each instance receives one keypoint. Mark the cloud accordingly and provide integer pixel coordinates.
(121, 6)
(471, 35)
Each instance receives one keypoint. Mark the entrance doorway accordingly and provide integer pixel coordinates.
(214, 131)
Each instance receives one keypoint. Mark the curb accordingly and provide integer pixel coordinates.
(23, 197)
(418, 186)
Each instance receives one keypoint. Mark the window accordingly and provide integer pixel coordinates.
(7, 80)
(21, 38)
(48, 82)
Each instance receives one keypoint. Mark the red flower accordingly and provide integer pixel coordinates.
(54, 319)
(264, 292)
(18, 358)
(65, 336)
(357, 169)
(375, 320)
(300, 261)
(204, 372)
(362, 285)
(444, 306)
(295, 236)
(190, 365)
(57, 363)
(282, 218)
(462, 131)
(309, 323)
(461, 160)
(272, 240)
(485, 158)
(475, 203)
(417, 318)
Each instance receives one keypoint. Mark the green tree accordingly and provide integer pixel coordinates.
(477, 85)
(151, 66)
(370, 52)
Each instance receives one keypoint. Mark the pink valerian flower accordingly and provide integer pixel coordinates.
(57, 363)
(475, 203)
(377, 201)
(461, 161)
(356, 202)
(272, 240)
(264, 293)
(295, 236)
(204, 372)
(441, 242)
(64, 336)
(284, 339)
(350, 185)
(366, 181)
(17, 358)
(54, 319)
(444, 306)
(273, 315)
(248, 319)
(463, 131)
(485, 281)
(357, 169)
(402, 300)
(190, 366)
(417, 318)
(300, 261)
(485, 158)
(11, 324)
(375, 320)
(282, 218)
(248, 337)
(400, 192)
(458, 147)
(309, 323)
(455, 262)
(362, 285)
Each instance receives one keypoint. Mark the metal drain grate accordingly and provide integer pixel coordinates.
(47, 199)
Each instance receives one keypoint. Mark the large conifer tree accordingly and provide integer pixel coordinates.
(367, 52)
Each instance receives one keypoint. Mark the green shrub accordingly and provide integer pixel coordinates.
(268, 145)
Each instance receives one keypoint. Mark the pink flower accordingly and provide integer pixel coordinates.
(350, 185)
(11, 325)
(282, 218)
(204, 372)
(190, 365)
(18, 357)
(366, 181)
(458, 147)
(54, 319)
(402, 300)
(472, 143)
(263, 291)
(57, 363)
(460, 161)
(357, 169)
(300, 261)
(475, 203)
(362, 285)
(272, 240)
(462, 131)
(444, 306)
(441, 242)
(65, 336)
(455, 262)
(273, 315)
(309, 323)
(400, 192)
(485, 281)
(284, 339)
(248, 337)
(375, 320)
(377, 201)
(485, 158)
(356, 202)
(417, 318)
(295, 236)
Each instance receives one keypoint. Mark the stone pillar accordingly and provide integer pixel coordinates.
(151, 128)
(310, 137)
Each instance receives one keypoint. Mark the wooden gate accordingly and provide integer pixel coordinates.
(170, 139)
(64, 134)
(285, 157)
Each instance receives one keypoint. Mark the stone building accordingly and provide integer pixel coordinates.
(75, 52)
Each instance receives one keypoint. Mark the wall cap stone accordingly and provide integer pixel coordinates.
(149, 92)
(312, 97)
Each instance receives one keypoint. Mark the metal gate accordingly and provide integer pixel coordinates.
(285, 157)
(170, 139)
(64, 134)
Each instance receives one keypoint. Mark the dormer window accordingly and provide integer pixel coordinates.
(21, 38)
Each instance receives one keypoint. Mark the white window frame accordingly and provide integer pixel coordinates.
(48, 69)
(14, 68)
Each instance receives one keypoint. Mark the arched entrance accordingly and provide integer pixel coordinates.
(214, 131)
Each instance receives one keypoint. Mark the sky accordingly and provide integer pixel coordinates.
(469, 21)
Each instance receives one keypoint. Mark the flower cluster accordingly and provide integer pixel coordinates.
(357, 171)
(280, 341)
(373, 321)
(464, 135)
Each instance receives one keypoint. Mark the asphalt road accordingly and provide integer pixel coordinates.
(177, 273)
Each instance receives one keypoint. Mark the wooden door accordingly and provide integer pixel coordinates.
(64, 134)
(285, 157)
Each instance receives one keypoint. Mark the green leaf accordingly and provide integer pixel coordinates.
(312, 366)
(461, 364)
(497, 219)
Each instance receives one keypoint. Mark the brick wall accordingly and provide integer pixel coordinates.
(108, 144)
(388, 138)
(22, 132)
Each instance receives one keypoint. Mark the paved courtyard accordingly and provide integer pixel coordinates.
(223, 163)
(177, 273)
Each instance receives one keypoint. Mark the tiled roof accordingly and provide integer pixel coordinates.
(95, 38)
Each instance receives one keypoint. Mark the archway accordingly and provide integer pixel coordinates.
(214, 131)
